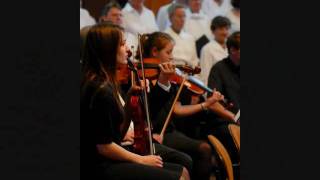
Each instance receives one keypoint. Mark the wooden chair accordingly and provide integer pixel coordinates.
(235, 133)
(223, 156)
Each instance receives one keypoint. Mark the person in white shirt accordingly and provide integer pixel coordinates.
(213, 8)
(112, 12)
(138, 19)
(215, 50)
(197, 23)
(85, 18)
(234, 16)
(163, 17)
(184, 51)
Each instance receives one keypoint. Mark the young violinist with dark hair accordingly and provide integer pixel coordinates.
(159, 46)
(106, 120)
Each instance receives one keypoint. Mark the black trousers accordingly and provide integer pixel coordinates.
(133, 171)
(200, 152)
(171, 155)
(174, 161)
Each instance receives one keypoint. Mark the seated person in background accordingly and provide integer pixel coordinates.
(225, 77)
(197, 23)
(138, 19)
(184, 51)
(234, 15)
(216, 49)
(112, 12)
(163, 17)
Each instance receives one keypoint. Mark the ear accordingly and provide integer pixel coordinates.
(154, 52)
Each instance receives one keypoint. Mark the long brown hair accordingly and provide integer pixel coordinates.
(100, 56)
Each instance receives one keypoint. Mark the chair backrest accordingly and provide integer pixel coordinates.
(235, 133)
(223, 156)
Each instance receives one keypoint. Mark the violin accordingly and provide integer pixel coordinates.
(139, 107)
(151, 69)
(196, 86)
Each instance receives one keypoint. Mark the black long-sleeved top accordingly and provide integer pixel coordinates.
(161, 104)
(225, 77)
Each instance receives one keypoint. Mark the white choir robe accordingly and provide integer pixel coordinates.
(131, 41)
(136, 23)
(197, 24)
(184, 51)
(212, 9)
(211, 53)
(86, 19)
(163, 20)
(235, 22)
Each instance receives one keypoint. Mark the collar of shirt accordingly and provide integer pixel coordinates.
(182, 34)
(216, 45)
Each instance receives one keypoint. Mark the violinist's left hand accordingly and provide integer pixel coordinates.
(167, 70)
(135, 89)
(216, 97)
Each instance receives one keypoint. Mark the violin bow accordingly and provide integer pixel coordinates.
(164, 128)
(145, 98)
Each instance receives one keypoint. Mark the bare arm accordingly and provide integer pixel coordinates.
(187, 110)
(222, 111)
(115, 152)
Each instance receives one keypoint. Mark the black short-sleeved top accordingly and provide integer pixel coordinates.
(100, 118)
